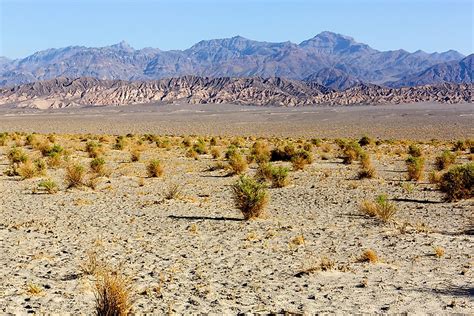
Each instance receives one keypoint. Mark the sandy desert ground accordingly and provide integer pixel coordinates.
(412, 121)
(194, 253)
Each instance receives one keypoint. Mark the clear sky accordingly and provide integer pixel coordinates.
(431, 25)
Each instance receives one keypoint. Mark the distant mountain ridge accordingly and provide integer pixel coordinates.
(67, 92)
(349, 60)
(453, 71)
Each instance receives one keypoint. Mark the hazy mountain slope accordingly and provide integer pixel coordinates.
(231, 57)
(454, 71)
(333, 78)
(64, 92)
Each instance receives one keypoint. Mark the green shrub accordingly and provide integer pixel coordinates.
(49, 186)
(445, 160)
(98, 166)
(17, 155)
(154, 168)
(351, 151)
(365, 140)
(250, 197)
(237, 164)
(458, 182)
(414, 150)
(300, 159)
(415, 167)
(280, 177)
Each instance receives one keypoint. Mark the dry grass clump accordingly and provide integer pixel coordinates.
(261, 152)
(119, 143)
(216, 153)
(112, 294)
(237, 163)
(366, 168)
(301, 159)
(435, 177)
(445, 160)
(94, 149)
(439, 251)
(369, 255)
(351, 151)
(49, 186)
(135, 153)
(27, 170)
(200, 147)
(460, 145)
(154, 168)
(75, 175)
(98, 166)
(415, 167)
(381, 208)
(458, 182)
(175, 191)
(250, 197)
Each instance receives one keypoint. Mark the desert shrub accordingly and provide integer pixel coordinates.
(308, 147)
(187, 142)
(174, 191)
(414, 150)
(49, 186)
(94, 149)
(154, 168)
(261, 152)
(365, 140)
(280, 177)
(112, 294)
(40, 166)
(30, 139)
(135, 154)
(435, 177)
(381, 208)
(48, 150)
(250, 197)
(237, 164)
(200, 147)
(213, 141)
(445, 160)
(415, 167)
(283, 153)
(98, 166)
(3, 139)
(27, 170)
(326, 148)
(75, 175)
(54, 160)
(191, 153)
(316, 142)
(231, 150)
(17, 155)
(216, 153)
(460, 145)
(119, 143)
(351, 151)
(458, 182)
(369, 255)
(264, 172)
(301, 159)
(366, 168)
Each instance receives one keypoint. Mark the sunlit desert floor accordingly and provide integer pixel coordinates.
(194, 253)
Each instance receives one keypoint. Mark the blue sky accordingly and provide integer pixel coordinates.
(431, 25)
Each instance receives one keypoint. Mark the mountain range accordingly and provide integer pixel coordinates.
(67, 92)
(332, 60)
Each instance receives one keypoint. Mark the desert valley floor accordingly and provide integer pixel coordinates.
(185, 248)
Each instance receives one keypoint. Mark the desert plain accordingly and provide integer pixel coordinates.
(181, 245)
